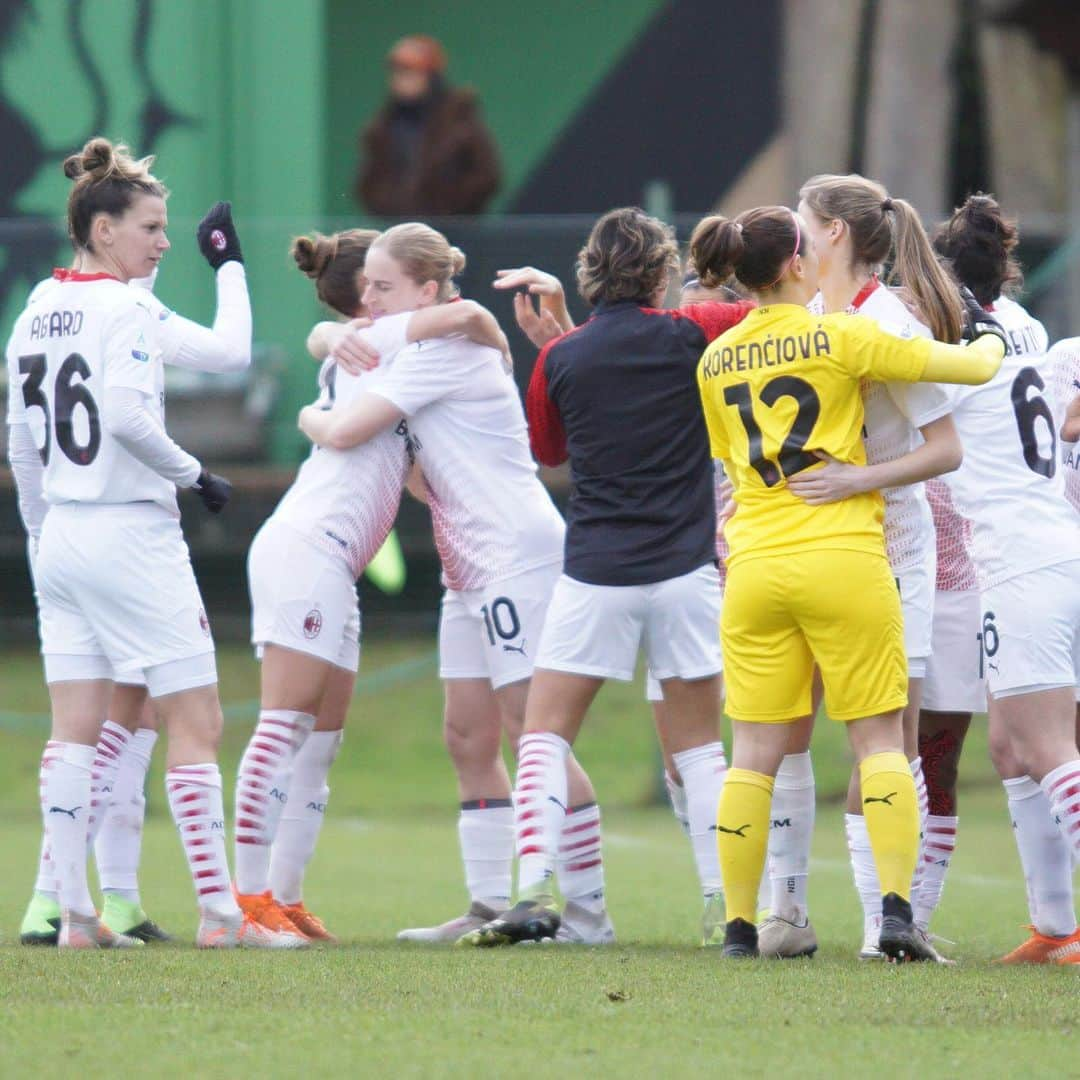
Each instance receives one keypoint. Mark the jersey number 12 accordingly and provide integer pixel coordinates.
(67, 394)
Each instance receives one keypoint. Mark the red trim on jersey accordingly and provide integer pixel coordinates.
(864, 294)
(547, 436)
(65, 275)
(713, 316)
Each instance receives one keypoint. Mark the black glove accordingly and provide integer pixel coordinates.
(217, 236)
(978, 321)
(214, 490)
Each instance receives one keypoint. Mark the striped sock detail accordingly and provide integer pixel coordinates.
(262, 791)
(923, 800)
(580, 863)
(939, 843)
(539, 809)
(195, 801)
(112, 742)
(1062, 789)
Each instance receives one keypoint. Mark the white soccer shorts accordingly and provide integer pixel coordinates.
(1030, 630)
(917, 601)
(302, 597)
(116, 592)
(597, 629)
(493, 632)
(954, 679)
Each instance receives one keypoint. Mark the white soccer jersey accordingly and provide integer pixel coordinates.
(1065, 358)
(347, 500)
(955, 570)
(893, 413)
(491, 515)
(86, 335)
(1011, 484)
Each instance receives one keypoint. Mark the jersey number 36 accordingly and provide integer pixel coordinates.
(67, 394)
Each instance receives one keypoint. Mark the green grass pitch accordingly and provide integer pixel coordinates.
(653, 1005)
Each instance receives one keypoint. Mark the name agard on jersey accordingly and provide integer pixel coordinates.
(772, 352)
(52, 324)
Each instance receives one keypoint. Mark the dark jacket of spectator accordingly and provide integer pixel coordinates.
(428, 158)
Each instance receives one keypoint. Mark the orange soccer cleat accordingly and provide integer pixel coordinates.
(309, 924)
(267, 912)
(1040, 949)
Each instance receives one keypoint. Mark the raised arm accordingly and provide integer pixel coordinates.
(540, 325)
(547, 437)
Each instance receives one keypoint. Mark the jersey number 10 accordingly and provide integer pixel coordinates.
(67, 394)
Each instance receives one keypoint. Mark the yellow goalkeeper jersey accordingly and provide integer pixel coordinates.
(780, 385)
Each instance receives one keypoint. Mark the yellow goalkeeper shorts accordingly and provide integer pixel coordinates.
(784, 613)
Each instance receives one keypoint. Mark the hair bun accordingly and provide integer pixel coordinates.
(314, 253)
(457, 261)
(99, 158)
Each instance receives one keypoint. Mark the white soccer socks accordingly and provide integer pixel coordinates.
(703, 769)
(486, 834)
(110, 748)
(118, 846)
(303, 815)
(195, 801)
(939, 843)
(791, 831)
(65, 804)
(1062, 788)
(580, 864)
(261, 792)
(540, 798)
(1044, 856)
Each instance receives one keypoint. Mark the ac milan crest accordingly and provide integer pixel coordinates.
(204, 622)
(312, 623)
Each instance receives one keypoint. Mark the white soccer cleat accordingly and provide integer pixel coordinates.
(241, 932)
(871, 934)
(786, 940)
(89, 932)
(448, 932)
(582, 927)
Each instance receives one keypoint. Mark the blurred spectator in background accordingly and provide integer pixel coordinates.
(427, 152)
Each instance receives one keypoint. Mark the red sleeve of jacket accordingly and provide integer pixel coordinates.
(714, 317)
(547, 439)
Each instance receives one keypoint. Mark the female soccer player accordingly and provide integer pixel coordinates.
(306, 622)
(616, 396)
(128, 735)
(466, 422)
(114, 581)
(806, 583)
(1029, 579)
(909, 437)
(541, 325)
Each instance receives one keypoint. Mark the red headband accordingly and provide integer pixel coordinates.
(798, 241)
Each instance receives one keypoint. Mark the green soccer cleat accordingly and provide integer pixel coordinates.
(712, 921)
(526, 921)
(124, 917)
(41, 923)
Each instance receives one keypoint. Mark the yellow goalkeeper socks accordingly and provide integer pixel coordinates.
(742, 837)
(891, 810)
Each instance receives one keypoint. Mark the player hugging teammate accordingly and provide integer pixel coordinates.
(826, 400)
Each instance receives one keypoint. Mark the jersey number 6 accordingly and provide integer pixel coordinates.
(793, 458)
(67, 395)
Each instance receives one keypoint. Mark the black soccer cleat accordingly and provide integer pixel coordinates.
(526, 921)
(150, 932)
(42, 937)
(740, 940)
(900, 939)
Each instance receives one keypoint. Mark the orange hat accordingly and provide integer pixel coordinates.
(420, 52)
